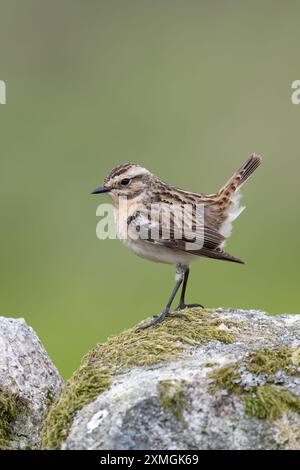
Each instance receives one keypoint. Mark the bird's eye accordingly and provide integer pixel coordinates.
(125, 182)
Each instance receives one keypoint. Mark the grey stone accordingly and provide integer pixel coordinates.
(132, 415)
(28, 376)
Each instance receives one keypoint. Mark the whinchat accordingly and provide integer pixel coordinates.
(166, 224)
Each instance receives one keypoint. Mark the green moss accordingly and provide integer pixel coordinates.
(267, 401)
(228, 323)
(210, 364)
(270, 402)
(10, 407)
(171, 395)
(131, 348)
(226, 378)
(269, 361)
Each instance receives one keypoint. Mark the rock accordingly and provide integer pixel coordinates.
(29, 383)
(221, 379)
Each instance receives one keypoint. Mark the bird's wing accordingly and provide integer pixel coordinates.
(159, 230)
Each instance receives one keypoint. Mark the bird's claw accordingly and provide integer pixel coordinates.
(160, 318)
(179, 315)
(185, 306)
(155, 321)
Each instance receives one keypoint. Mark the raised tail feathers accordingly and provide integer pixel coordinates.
(241, 176)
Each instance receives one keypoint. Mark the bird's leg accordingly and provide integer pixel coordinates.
(166, 311)
(182, 305)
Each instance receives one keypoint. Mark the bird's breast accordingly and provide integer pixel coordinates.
(122, 212)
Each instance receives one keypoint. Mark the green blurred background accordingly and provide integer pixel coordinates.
(186, 88)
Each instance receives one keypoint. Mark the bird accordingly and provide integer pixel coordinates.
(143, 226)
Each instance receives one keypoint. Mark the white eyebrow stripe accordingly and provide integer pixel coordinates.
(134, 171)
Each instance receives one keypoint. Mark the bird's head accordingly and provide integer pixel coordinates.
(128, 180)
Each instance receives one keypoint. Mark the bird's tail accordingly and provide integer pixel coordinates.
(219, 254)
(241, 176)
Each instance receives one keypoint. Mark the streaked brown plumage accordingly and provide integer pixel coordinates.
(143, 189)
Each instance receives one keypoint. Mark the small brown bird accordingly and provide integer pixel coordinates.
(143, 226)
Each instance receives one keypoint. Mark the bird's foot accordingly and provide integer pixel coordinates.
(160, 318)
(178, 315)
(155, 321)
(184, 306)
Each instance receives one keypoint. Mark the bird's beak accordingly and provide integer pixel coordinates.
(101, 189)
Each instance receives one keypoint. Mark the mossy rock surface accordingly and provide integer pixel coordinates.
(29, 383)
(130, 349)
(165, 388)
(10, 408)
